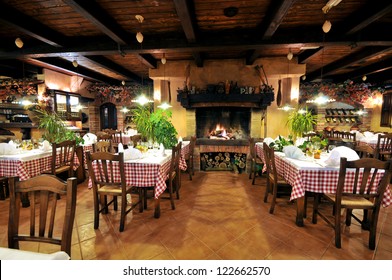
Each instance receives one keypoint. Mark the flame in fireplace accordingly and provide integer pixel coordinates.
(219, 132)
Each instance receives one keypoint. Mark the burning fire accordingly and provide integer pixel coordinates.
(219, 132)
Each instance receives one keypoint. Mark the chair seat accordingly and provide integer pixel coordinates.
(351, 201)
(281, 180)
(112, 190)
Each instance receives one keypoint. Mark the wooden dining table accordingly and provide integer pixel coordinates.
(150, 170)
(312, 175)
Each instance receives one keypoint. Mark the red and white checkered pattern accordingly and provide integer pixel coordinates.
(147, 174)
(320, 180)
(26, 169)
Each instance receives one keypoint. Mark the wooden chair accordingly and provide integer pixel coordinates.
(365, 151)
(4, 189)
(63, 155)
(360, 196)
(349, 135)
(103, 146)
(274, 181)
(173, 178)
(383, 150)
(256, 162)
(136, 139)
(106, 171)
(43, 227)
(116, 136)
(190, 157)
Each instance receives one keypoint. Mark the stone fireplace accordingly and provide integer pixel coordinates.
(222, 124)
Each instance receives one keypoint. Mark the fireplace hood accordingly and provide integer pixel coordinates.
(256, 100)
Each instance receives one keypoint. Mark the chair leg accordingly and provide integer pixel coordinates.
(145, 198)
(96, 212)
(141, 200)
(251, 171)
(337, 228)
(267, 191)
(115, 203)
(315, 207)
(123, 213)
(373, 229)
(348, 216)
(274, 195)
(171, 196)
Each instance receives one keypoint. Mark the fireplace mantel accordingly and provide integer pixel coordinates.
(259, 100)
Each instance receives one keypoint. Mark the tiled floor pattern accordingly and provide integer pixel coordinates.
(220, 215)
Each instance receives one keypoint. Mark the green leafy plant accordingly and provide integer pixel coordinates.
(155, 126)
(281, 142)
(300, 122)
(55, 129)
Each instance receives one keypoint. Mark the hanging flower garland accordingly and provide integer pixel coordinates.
(115, 94)
(347, 92)
(11, 89)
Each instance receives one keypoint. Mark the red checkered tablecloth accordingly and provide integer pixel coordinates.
(146, 173)
(27, 168)
(319, 180)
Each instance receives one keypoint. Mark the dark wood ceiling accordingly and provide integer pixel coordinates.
(100, 35)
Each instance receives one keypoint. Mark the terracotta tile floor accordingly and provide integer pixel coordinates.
(220, 215)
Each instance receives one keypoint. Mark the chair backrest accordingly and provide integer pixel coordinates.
(103, 146)
(365, 151)
(106, 169)
(349, 135)
(366, 172)
(136, 139)
(337, 134)
(252, 148)
(269, 158)
(175, 161)
(192, 144)
(42, 191)
(309, 135)
(116, 135)
(383, 148)
(103, 136)
(63, 154)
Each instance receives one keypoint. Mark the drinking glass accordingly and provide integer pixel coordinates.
(17, 142)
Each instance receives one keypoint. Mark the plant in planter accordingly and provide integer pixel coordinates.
(300, 122)
(55, 130)
(155, 126)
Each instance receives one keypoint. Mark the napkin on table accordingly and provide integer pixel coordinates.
(293, 152)
(338, 152)
(268, 140)
(7, 149)
(90, 138)
(120, 148)
(161, 149)
(132, 153)
(46, 146)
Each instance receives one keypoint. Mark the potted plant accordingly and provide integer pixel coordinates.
(155, 126)
(301, 121)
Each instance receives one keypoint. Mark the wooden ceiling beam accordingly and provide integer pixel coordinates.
(64, 66)
(30, 26)
(274, 17)
(367, 16)
(148, 60)
(304, 56)
(350, 60)
(113, 67)
(100, 18)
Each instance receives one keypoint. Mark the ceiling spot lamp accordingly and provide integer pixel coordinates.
(75, 63)
(290, 55)
(139, 35)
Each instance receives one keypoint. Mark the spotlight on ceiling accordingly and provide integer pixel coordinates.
(123, 83)
(19, 43)
(364, 78)
(163, 59)
(75, 63)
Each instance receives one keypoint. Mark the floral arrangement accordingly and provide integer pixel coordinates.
(347, 92)
(10, 89)
(115, 94)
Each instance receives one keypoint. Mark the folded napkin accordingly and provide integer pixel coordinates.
(46, 146)
(120, 148)
(293, 152)
(338, 152)
(268, 140)
(368, 134)
(132, 153)
(359, 136)
(90, 138)
(299, 141)
(8, 149)
(162, 150)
